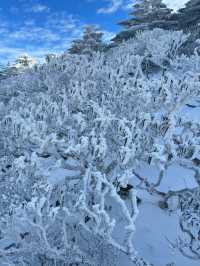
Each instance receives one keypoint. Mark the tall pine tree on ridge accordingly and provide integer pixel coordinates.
(147, 15)
(90, 42)
(189, 22)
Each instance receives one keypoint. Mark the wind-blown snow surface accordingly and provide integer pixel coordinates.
(159, 228)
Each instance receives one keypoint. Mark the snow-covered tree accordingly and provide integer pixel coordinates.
(190, 14)
(50, 57)
(189, 21)
(90, 42)
(21, 64)
(2, 72)
(24, 61)
(147, 15)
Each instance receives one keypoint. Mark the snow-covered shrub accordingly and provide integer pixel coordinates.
(72, 134)
(189, 243)
(158, 47)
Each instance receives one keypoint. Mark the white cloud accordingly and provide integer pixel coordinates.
(108, 35)
(129, 4)
(53, 34)
(114, 6)
(38, 8)
(175, 4)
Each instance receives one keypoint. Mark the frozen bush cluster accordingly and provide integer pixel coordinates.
(190, 224)
(96, 118)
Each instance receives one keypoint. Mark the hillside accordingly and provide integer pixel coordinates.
(100, 155)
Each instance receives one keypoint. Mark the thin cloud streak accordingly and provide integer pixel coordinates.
(113, 7)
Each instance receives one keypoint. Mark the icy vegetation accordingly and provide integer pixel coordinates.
(99, 158)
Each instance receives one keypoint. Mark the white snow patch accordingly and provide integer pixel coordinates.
(192, 114)
(175, 177)
(154, 227)
(57, 176)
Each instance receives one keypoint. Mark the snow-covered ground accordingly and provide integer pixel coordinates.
(157, 230)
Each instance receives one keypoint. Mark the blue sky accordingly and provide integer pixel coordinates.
(38, 27)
